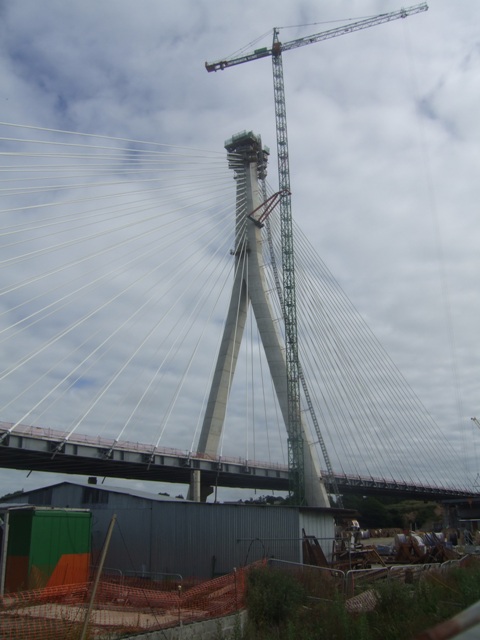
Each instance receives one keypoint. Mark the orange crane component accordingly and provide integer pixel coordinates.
(267, 207)
(295, 441)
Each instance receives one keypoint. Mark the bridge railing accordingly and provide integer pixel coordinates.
(47, 433)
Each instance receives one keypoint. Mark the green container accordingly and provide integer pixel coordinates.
(46, 548)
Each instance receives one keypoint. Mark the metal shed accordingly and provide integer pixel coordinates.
(157, 535)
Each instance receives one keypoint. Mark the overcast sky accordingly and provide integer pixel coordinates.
(384, 145)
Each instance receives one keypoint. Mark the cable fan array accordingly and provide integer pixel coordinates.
(370, 420)
(117, 268)
(114, 256)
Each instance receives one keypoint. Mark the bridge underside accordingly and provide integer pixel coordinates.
(33, 450)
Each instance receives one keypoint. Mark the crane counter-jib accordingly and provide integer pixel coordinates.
(265, 52)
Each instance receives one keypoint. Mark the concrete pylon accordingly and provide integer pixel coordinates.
(248, 160)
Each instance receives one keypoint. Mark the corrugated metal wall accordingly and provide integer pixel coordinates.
(130, 546)
(209, 539)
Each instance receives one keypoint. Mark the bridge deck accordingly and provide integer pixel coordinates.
(34, 448)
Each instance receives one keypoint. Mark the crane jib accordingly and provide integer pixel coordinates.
(277, 47)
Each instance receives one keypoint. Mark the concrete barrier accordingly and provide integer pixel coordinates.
(225, 628)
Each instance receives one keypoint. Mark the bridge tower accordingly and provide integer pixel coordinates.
(248, 159)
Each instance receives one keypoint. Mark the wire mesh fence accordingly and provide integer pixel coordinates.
(123, 604)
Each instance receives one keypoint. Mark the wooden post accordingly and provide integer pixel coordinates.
(97, 577)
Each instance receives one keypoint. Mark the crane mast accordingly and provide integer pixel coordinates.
(295, 438)
(294, 430)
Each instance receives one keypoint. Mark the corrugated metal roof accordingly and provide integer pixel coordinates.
(4, 506)
(11, 506)
(102, 487)
(146, 495)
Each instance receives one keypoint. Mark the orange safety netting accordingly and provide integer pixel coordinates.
(121, 605)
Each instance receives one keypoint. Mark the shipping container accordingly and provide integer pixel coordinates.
(43, 547)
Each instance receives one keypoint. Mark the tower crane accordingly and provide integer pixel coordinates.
(295, 440)
(476, 421)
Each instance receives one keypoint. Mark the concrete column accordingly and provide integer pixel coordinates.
(250, 286)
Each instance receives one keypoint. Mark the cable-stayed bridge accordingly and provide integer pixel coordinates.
(118, 260)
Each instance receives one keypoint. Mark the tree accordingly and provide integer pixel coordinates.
(372, 513)
(10, 496)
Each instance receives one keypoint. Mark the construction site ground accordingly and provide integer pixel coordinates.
(125, 607)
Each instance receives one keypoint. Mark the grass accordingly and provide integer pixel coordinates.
(283, 606)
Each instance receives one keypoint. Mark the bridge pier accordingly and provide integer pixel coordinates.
(198, 492)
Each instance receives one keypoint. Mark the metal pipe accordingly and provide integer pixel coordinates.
(450, 628)
(3, 552)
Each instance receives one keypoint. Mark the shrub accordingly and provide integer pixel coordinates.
(282, 606)
(273, 597)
